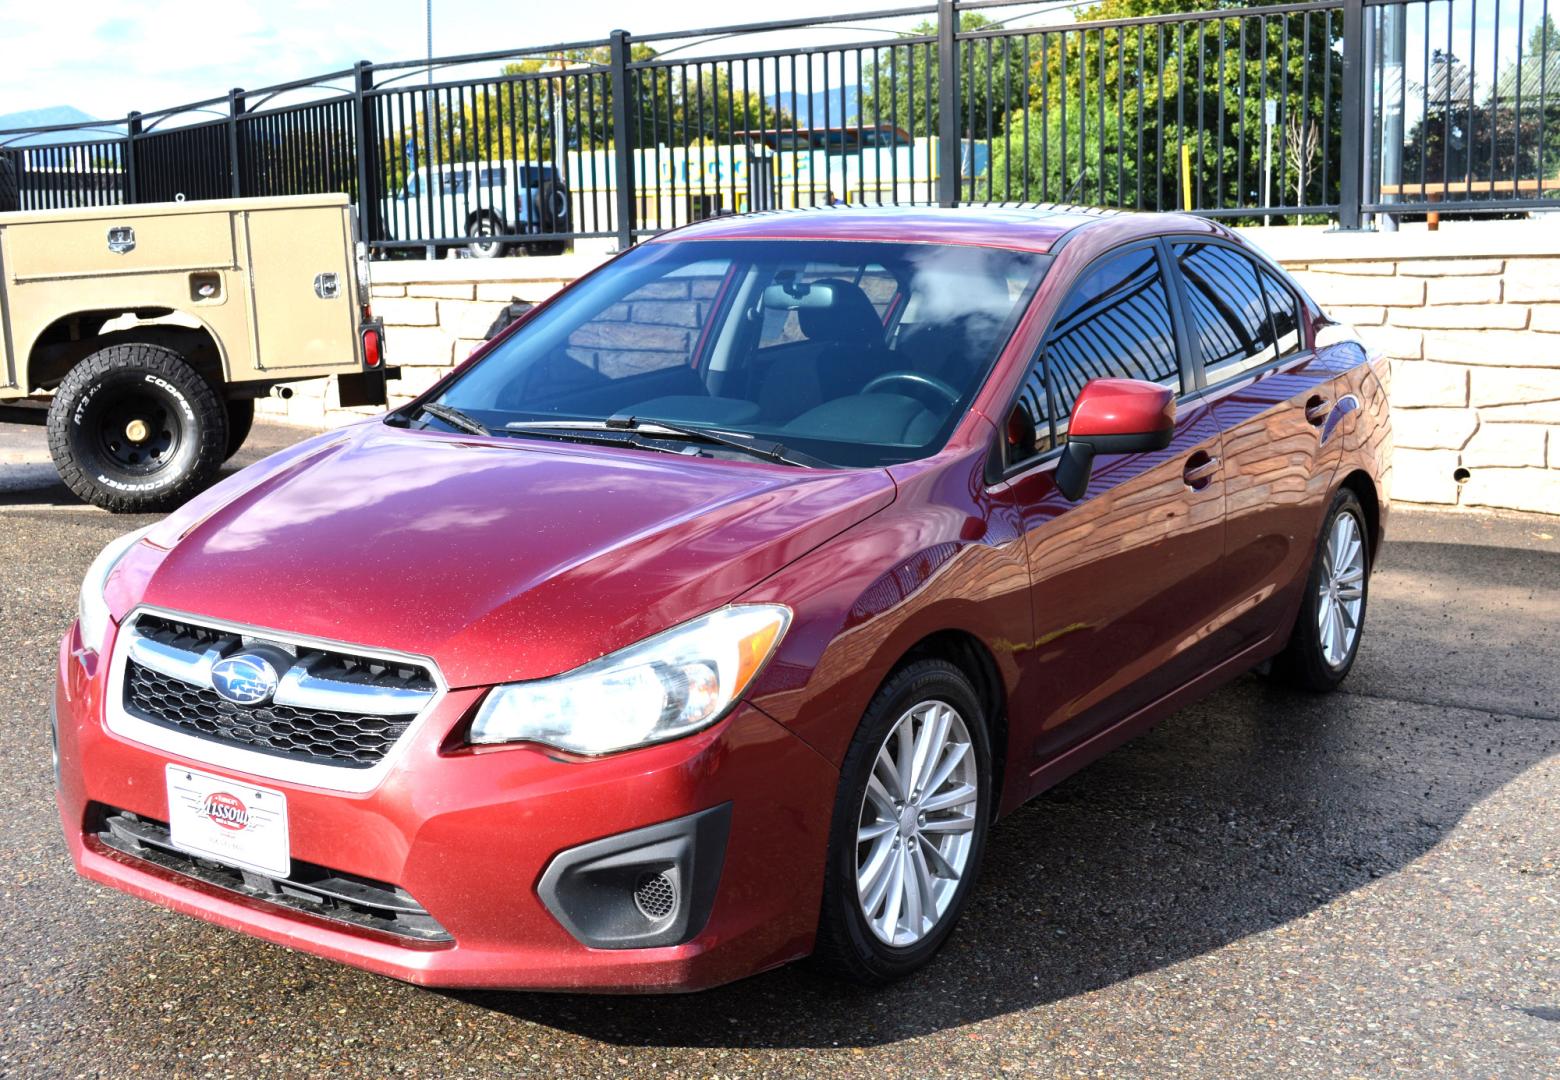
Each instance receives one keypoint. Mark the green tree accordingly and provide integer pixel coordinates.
(538, 109)
(1119, 108)
(1514, 133)
(901, 84)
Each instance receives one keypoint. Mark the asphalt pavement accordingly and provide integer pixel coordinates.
(1268, 884)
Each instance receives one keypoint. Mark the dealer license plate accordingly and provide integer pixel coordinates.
(229, 821)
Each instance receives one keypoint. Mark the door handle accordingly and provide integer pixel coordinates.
(1200, 470)
(1317, 409)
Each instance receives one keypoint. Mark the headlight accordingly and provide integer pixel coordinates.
(665, 687)
(91, 608)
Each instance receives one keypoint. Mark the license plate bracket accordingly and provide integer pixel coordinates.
(230, 821)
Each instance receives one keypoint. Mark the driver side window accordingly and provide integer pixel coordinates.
(1114, 324)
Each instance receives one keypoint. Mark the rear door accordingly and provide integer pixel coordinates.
(1277, 404)
(301, 267)
(1124, 580)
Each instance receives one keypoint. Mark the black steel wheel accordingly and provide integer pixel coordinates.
(135, 429)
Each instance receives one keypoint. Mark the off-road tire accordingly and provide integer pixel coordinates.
(546, 197)
(240, 420)
(10, 189)
(846, 947)
(1303, 663)
(87, 411)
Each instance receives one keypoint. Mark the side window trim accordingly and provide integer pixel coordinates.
(1179, 331)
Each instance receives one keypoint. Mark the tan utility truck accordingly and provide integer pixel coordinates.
(155, 327)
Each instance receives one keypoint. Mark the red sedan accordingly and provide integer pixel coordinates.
(490, 691)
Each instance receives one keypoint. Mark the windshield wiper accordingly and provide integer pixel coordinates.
(455, 418)
(768, 449)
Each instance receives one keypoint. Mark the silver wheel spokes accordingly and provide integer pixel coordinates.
(1341, 591)
(917, 823)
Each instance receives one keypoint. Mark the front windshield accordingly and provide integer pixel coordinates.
(856, 354)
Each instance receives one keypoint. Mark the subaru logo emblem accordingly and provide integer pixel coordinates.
(245, 679)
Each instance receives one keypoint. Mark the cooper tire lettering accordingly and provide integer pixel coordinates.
(134, 428)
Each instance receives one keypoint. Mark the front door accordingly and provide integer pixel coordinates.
(1126, 579)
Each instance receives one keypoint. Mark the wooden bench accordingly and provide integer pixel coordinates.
(1434, 192)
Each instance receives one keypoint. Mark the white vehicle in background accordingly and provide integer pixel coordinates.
(484, 201)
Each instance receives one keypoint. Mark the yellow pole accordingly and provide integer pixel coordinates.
(1186, 177)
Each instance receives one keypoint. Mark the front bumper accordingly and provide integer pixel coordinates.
(471, 835)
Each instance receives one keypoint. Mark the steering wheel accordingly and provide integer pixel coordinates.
(916, 382)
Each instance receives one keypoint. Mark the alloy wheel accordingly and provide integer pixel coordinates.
(1341, 591)
(917, 822)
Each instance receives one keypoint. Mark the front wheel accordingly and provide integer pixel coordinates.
(910, 822)
(135, 429)
(1326, 636)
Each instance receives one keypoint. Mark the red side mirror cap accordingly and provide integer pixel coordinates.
(1115, 407)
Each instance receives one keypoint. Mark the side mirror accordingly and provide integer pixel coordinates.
(1113, 416)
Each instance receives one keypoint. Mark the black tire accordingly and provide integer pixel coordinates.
(546, 218)
(92, 441)
(1304, 663)
(10, 191)
(485, 224)
(846, 946)
(240, 419)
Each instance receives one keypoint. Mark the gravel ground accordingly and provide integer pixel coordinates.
(1366, 884)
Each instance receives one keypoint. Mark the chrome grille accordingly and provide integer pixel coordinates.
(332, 708)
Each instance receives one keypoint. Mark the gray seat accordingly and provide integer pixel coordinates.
(843, 352)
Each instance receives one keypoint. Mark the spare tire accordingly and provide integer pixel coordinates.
(10, 191)
(551, 216)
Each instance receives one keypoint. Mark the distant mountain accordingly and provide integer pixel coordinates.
(841, 104)
(57, 114)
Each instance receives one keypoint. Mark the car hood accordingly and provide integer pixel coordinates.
(500, 559)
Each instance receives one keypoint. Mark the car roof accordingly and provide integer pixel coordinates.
(1038, 229)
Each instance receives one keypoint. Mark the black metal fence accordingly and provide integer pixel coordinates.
(1337, 110)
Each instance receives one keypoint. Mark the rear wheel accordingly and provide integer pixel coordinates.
(910, 822)
(135, 429)
(1326, 635)
(485, 226)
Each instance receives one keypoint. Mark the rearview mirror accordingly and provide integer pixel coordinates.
(793, 295)
(1113, 416)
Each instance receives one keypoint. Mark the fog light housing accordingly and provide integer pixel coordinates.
(646, 888)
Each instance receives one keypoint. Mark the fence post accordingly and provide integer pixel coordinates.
(132, 132)
(623, 149)
(1352, 150)
(948, 165)
(235, 110)
(369, 174)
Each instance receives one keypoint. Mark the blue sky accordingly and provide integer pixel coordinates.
(106, 57)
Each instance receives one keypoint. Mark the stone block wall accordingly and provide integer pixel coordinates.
(1470, 316)
(435, 314)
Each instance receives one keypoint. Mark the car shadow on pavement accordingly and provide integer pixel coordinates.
(1235, 816)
